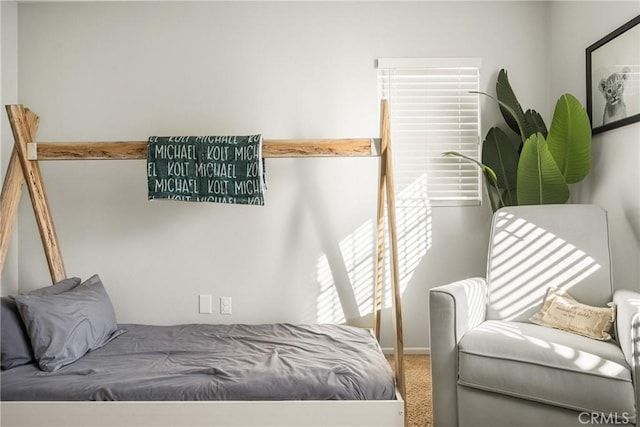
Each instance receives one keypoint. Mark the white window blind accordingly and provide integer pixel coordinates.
(432, 111)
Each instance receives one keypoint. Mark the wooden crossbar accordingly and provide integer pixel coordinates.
(24, 169)
(132, 150)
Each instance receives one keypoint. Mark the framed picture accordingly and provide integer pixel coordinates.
(613, 78)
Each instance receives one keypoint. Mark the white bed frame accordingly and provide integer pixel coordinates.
(295, 413)
(23, 169)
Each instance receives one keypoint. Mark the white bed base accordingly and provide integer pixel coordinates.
(295, 413)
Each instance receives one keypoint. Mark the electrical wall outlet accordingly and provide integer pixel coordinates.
(205, 304)
(225, 305)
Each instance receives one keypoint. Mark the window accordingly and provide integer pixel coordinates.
(432, 111)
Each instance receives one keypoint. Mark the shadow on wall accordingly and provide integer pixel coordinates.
(346, 282)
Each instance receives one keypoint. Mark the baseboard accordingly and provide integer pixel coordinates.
(408, 350)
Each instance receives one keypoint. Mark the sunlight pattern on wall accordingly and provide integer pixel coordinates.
(357, 250)
(329, 309)
(413, 221)
(358, 257)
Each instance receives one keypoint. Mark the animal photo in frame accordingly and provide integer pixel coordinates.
(613, 78)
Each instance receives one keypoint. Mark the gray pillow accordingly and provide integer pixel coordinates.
(62, 328)
(15, 349)
(57, 288)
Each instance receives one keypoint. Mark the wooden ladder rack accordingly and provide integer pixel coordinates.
(24, 168)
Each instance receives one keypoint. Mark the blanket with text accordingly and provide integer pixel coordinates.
(222, 169)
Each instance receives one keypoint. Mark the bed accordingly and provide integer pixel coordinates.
(216, 362)
(203, 375)
(76, 352)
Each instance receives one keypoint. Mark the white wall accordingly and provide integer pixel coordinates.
(614, 181)
(115, 70)
(8, 95)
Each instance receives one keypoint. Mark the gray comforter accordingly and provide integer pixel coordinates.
(217, 362)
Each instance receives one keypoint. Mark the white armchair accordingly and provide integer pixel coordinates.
(492, 367)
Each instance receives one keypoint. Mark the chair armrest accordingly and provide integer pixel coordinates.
(465, 301)
(628, 332)
(453, 310)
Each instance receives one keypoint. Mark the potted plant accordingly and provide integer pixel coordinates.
(538, 166)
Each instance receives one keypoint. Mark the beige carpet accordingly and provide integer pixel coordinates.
(418, 382)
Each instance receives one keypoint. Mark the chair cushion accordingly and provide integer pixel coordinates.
(546, 365)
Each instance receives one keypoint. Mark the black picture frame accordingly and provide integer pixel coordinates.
(616, 53)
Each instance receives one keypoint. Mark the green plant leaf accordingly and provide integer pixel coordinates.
(493, 193)
(509, 199)
(539, 178)
(534, 123)
(490, 177)
(485, 169)
(508, 109)
(569, 139)
(523, 123)
(509, 106)
(499, 154)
